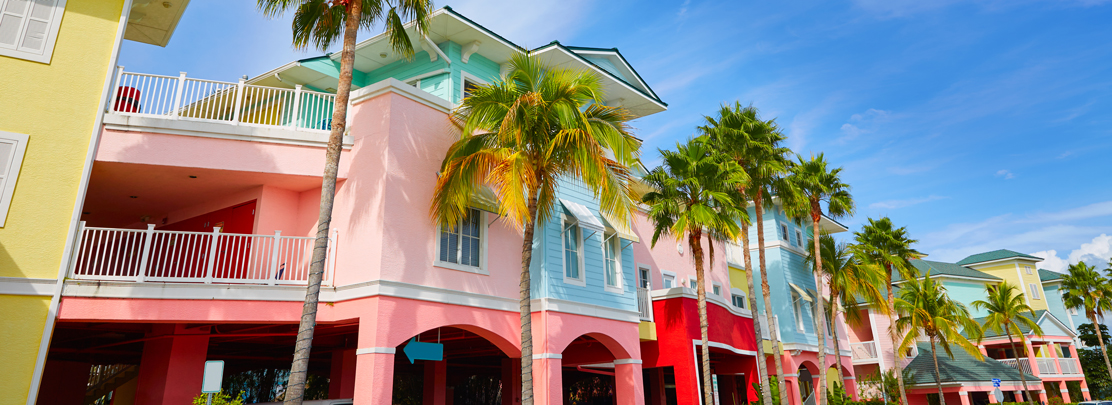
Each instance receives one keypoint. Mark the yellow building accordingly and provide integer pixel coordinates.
(1016, 268)
(55, 69)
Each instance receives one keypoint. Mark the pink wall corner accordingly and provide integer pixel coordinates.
(379, 326)
(554, 331)
(862, 332)
(208, 206)
(277, 210)
(665, 256)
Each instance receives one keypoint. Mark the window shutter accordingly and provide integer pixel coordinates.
(12, 147)
(28, 28)
(12, 19)
(38, 25)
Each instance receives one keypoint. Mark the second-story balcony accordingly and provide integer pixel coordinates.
(148, 255)
(1045, 366)
(188, 106)
(864, 352)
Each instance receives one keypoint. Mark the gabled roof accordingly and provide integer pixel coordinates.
(962, 368)
(942, 269)
(1047, 275)
(995, 255)
(1040, 316)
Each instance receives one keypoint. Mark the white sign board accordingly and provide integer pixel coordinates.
(214, 376)
(998, 395)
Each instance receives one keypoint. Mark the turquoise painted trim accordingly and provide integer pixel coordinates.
(324, 64)
(624, 60)
(482, 28)
(606, 65)
(581, 58)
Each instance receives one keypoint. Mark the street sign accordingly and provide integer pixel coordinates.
(214, 376)
(996, 382)
(415, 350)
(998, 395)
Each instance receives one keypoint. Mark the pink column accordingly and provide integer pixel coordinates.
(1031, 359)
(964, 397)
(342, 377)
(791, 389)
(172, 366)
(548, 380)
(1054, 355)
(1065, 391)
(436, 382)
(374, 376)
(511, 381)
(628, 382)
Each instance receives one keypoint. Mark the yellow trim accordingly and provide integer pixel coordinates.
(647, 330)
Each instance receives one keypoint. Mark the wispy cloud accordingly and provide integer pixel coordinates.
(895, 204)
(1095, 252)
(1007, 175)
(862, 123)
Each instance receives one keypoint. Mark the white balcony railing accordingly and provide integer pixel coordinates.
(645, 304)
(864, 350)
(182, 98)
(1046, 366)
(1019, 364)
(147, 255)
(1069, 366)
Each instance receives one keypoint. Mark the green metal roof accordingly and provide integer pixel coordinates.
(994, 255)
(962, 368)
(1047, 275)
(944, 269)
(1022, 328)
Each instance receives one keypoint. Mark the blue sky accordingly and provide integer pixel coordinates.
(979, 125)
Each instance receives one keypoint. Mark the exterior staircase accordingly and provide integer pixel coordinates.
(103, 379)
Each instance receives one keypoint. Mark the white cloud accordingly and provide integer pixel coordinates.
(1007, 175)
(1095, 252)
(1052, 262)
(894, 204)
(863, 123)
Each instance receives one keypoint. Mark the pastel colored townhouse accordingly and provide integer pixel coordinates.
(50, 51)
(1052, 369)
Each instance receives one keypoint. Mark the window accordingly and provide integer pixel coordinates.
(28, 28)
(461, 247)
(693, 283)
(797, 306)
(738, 300)
(669, 280)
(717, 289)
(12, 147)
(468, 87)
(784, 232)
(611, 249)
(1027, 268)
(1034, 291)
(644, 280)
(573, 260)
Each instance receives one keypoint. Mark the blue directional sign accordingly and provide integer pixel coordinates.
(996, 382)
(415, 350)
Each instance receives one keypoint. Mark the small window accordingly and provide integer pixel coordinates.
(799, 238)
(693, 283)
(797, 307)
(28, 29)
(784, 232)
(460, 246)
(669, 280)
(613, 272)
(12, 148)
(1034, 291)
(469, 87)
(738, 300)
(717, 290)
(572, 258)
(1028, 269)
(645, 281)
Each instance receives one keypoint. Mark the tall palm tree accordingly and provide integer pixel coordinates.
(320, 23)
(1006, 308)
(882, 244)
(695, 195)
(1084, 288)
(816, 184)
(849, 281)
(738, 133)
(522, 135)
(926, 310)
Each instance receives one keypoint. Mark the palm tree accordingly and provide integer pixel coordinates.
(695, 195)
(816, 184)
(321, 23)
(849, 281)
(738, 133)
(926, 310)
(524, 134)
(1006, 307)
(882, 244)
(1086, 289)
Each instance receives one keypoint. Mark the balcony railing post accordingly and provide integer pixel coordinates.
(116, 89)
(294, 118)
(144, 259)
(274, 258)
(239, 101)
(211, 262)
(177, 95)
(78, 243)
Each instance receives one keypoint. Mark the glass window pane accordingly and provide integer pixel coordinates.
(474, 253)
(453, 248)
(9, 29)
(18, 7)
(35, 37)
(6, 150)
(571, 264)
(465, 250)
(41, 9)
(444, 236)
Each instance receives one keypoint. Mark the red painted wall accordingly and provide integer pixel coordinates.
(236, 219)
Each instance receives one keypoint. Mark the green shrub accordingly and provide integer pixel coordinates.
(219, 398)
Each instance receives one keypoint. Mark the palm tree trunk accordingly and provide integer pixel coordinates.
(777, 350)
(837, 343)
(895, 339)
(524, 304)
(762, 361)
(695, 241)
(937, 377)
(820, 327)
(1022, 375)
(1100, 339)
(295, 388)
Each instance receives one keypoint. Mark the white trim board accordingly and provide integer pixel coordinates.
(27, 286)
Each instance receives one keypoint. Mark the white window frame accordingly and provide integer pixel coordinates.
(644, 277)
(736, 293)
(8, 180)
(664, 279)
(48, 43)
(786, 236)
(716, 289)
(692, 283)
(567, 223)
(797, 308)
(616, 244)
(463, 78)
(1027, 269)
(482, 269)
(1035, 295)
(799, 237)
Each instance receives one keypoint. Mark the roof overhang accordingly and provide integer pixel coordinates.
(1006, 259)
(154, 21)
(619, 93)
(953, 277)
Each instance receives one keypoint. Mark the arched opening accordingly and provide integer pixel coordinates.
(588, 372)
(806, 385)
(471, 371)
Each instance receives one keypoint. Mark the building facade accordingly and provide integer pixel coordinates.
(48, 50)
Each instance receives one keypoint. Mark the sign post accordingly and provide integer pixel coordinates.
(213, 378)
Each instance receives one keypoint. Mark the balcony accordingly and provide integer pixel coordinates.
(147, 255)
(1045, 366)
(187, 106)
(864, 352)
(645, 304)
